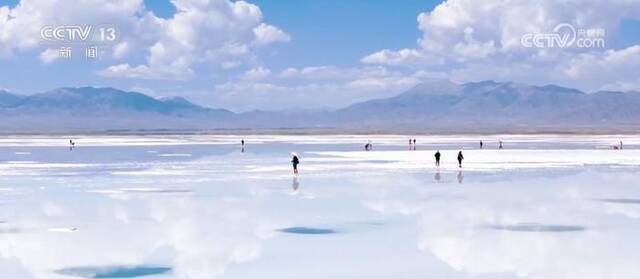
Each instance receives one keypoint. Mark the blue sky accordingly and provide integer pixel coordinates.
(316, 54)
(327, 31)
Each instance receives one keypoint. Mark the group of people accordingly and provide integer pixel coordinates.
(438, 155)
(295, 160)
(412, 143)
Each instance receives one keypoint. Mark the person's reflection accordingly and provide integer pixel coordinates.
(436, 176)
(242, 150)
(460, 177)
(295, 185)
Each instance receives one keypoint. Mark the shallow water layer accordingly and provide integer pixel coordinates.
(200, 206)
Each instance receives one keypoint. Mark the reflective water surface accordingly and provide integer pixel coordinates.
(198, 206)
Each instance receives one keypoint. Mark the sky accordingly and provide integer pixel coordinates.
(311, 54)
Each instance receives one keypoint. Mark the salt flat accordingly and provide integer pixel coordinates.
(198, 206)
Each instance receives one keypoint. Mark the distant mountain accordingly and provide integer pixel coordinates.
(103, 101)
(485, 106)
(179, 102)
(8, 99)
(495, 106)
(98, 109)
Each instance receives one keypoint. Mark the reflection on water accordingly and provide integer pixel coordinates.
(113, 271)
(124, 211)
(306, 230)
(295, 184)
(629, 201)
(9, 230)
(460, 177)
(535, 228)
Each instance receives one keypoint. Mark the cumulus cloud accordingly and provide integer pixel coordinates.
(400, 57)
(611, 70)
(266, 34)
(222, 33)
(257, 73)
(474, 40)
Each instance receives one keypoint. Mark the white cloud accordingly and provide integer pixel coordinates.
(230, 64)
(333, 73)
(49, 55)
(20, 26)
(145, 72)
(257, 74)
(318, 87)
(120, 50)
(400, 57)
(266, 34)
(611, 70)
(474, 40)
(222, 33)
(230, 28)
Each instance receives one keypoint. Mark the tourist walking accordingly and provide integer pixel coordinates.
(460, 158)
(295, 161)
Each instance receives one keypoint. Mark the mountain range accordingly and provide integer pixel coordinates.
(485, 106)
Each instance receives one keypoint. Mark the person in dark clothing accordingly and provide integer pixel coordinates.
(414, 141)
(242, 142)
(481, 144)
(295, 161)
(437, 155)
(460, 158)
(500, 146)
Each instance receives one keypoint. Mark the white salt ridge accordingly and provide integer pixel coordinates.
(176, 155)
(38, 165)
(482, 159)
(63, 230)
(600, 141)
